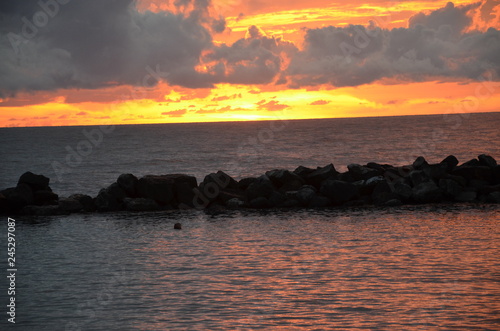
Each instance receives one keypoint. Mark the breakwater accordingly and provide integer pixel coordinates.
(474, 181)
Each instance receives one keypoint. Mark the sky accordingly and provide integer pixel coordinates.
(98, 62)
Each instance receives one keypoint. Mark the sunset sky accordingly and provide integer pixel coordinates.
(91, 62)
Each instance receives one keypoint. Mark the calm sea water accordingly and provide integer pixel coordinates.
(76, 165)
(406, 268)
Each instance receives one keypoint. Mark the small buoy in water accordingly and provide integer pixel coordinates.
(178, 226)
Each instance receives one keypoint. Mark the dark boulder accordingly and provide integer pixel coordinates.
(221, 179)
(69, 205)
(493, 197)
(303, 172)
(379, 167)
(345, 177)
(229, 194)
(45, 197)
(35, 182)
(487, 161)
(420, 163)
(418, 177)
(184, 190)
(321, 174)
(338, 192)
(244, 183)
(85, 200)
(474, 172)
(291, 203)
(276, 199)
(450, 162)
(495, 174)
(260, 203)
(305, 194)
(403, 191)
(262, 187)
(159, 188)
(18, 197)
(450, 188)
(427, 192)
(285, 180)
(128, 183)
(392, 203)
(359, 172)
(140, 204)
(319, 201)
(110, 198)
(382, 193)
(436, 171)
(471, 163)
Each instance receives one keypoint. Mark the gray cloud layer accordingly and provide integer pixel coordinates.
(95, 43)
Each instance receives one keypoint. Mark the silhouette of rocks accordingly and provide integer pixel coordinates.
(475, 181)
(128, 183)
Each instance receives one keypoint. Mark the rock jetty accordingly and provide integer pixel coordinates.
(475, 181)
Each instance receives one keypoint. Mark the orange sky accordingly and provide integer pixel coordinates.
(279, 20)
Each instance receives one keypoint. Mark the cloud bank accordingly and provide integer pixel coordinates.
(57, 44)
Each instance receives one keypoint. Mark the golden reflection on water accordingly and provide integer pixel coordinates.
(311, 272)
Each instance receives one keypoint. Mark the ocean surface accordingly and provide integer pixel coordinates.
(433, 267)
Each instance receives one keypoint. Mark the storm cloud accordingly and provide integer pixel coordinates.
(434, 46)
(57, 44)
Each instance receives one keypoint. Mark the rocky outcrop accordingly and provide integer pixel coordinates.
(475, 181)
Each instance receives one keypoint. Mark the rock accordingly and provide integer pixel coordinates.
(420, 163)
(229, 194)
(450, 187)
(345, 177)
(305, 194)
(18, 197)
(466, 196)
(159, 188)
(460, 180)
(35, 182)
(404, 191)
(359, 172)
(221, 180)
(486, 160)
(450, 162)
(427, 192)
(485, 190)
(493, 197)
(244, 183)
(474, 172)
(285, 179)
(374, 180)
(321, 174)
(366, 187)
(379, 167)
(140, 204)
(303, 171)
(319, 201)
(436, 171)
(276, 199)
(178, 226)
(68, 205)
(235, 203)
(471, 163)
(85, 200)
(184, 190)
(45, 197)
(110, 198)
(262, 187)
(259, 203)
(418, 177)
(383, 193)
(338, 192)
(128, 183)
(496, 175)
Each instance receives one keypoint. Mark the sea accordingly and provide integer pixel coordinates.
(432, 267)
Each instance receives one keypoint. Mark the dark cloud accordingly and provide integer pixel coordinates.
(93, 43)
(434, 46)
